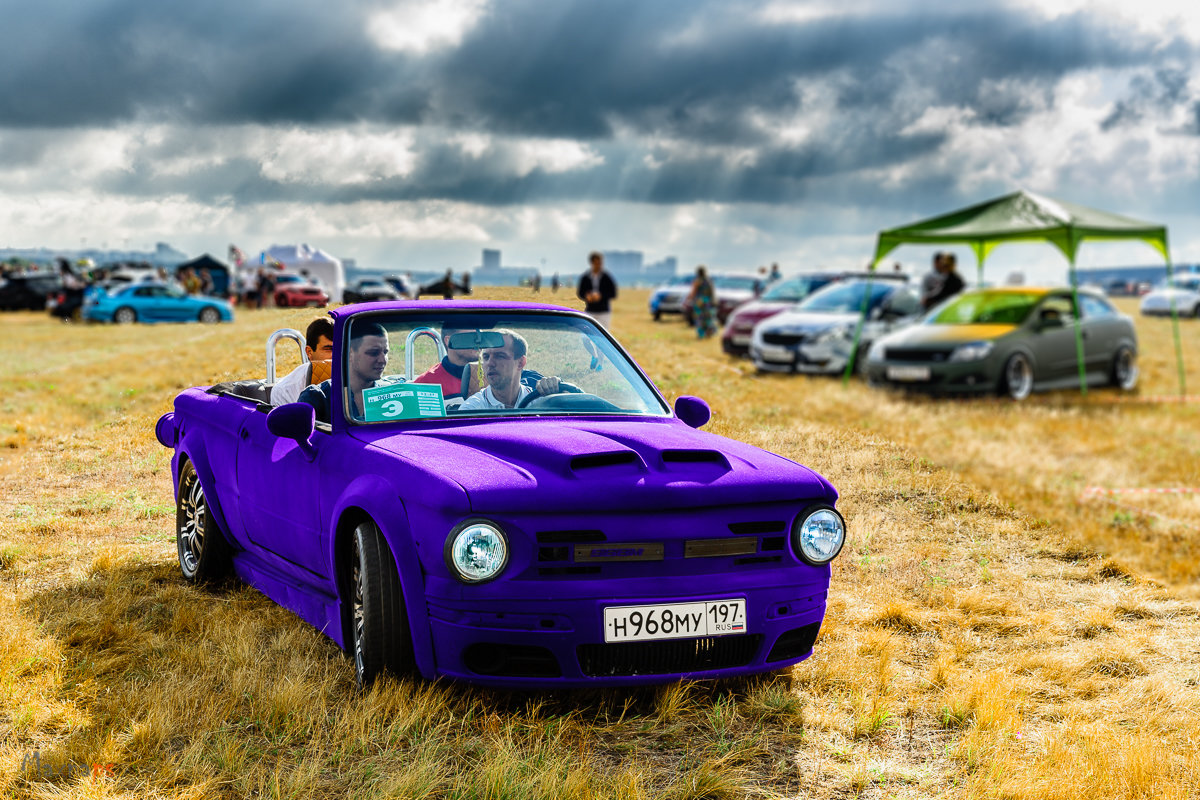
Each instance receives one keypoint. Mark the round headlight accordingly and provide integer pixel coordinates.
(476, 551)
(819, 536)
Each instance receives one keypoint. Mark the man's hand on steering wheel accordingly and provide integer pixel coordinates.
(546, 386)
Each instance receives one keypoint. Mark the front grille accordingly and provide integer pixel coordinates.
(671, 656)
(785, 339)
(915, 354)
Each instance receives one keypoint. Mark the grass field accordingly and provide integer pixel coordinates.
(995, 630)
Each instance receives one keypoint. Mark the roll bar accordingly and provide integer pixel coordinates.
(283, 333)
(408, 348)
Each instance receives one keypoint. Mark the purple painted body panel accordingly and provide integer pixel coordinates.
(575, 496)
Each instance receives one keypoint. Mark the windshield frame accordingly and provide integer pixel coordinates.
(634, 370)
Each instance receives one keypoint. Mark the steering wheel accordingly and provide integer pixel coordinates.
(567, 401)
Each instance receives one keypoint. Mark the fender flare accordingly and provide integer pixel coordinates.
(191, 447)
(373, 497)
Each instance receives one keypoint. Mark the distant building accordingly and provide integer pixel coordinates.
(491, 259)
(1109, 276)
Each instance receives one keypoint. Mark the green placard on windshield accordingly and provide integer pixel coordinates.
(403, 401)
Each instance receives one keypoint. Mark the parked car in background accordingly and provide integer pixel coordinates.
(404, 288)
(782, 295)
(1183, 290)
(817, 335)
(731, 291)
(589, 536)
(369, 290)
(1010, 341)
(30, 291)
(668, 298)
(297, 290)
(151, 301)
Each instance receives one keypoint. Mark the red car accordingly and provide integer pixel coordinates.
(780, 297)
(295, 290)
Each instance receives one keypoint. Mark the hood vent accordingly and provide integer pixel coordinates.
(596, 460)
(694, 457)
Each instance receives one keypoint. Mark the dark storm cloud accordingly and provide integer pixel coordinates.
(707, 74)
(1158, 91)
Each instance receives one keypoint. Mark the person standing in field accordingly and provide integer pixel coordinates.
(704, 304)
(597, 290)
(951, 284)
(931, 283)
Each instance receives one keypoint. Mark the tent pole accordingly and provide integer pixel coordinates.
(1078, 328)
(1175, 331)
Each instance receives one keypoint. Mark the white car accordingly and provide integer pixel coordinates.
(1183, 291)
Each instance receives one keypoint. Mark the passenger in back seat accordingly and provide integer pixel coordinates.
(318, 346)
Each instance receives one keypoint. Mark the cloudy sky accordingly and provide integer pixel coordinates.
(411, 134)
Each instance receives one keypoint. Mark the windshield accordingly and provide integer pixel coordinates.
(510, 363)
(845, 298)
(734, 282)
(793, 290)
(1191, 282)
(987, 308)
(288, 279)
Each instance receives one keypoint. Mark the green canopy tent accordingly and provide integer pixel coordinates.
(1024, 217)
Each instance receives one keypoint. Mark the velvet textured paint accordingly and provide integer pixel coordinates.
(613, 523)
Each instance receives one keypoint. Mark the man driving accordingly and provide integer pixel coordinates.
(502, 367)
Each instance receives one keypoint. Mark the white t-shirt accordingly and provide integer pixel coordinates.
(486, 399)
(288, 388)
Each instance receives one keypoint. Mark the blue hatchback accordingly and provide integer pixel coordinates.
(153, 302)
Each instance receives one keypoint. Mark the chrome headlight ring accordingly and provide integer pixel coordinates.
(818, 535)
(476, 551)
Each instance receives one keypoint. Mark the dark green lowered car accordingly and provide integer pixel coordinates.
(1011, 341)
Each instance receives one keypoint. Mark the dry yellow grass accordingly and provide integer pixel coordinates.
(992, 633)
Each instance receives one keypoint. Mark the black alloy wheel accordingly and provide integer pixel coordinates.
(379, 637)
(203, 551)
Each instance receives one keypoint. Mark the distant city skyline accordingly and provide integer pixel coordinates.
(414, 133)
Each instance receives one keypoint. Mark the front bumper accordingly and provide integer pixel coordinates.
(812, 358)
(967, 377)
(559, 641)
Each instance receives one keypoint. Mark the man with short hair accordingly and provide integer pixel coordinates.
(951, 283)
(931, 283)
(502, 367)
(449, 373)
(365, 362)
(318, 346)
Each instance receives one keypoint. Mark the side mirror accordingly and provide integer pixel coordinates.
(876, 313)
(293, 421)
(693, 411)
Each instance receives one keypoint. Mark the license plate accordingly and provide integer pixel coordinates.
(675, 620)
(741, 341)
(908, 373)
(769, 353)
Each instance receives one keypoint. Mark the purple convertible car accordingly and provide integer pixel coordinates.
(588, 535)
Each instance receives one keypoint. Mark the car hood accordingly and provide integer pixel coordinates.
(760, 309)
(809, 321)
(948, 334)
(562, 465)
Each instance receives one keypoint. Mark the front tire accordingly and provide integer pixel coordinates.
(210, 315)
(1124, 371)
(1016, 380)
(124, 315)
(379, 638)
(203, 551)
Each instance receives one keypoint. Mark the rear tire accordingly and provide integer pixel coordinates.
(124, 315)
(379, 638)
(210, 315)
(203, 552)
(1124, 370)
(1016, 381)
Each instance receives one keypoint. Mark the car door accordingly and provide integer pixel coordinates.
(1103, 329)
(279, 483)
(1053, 338)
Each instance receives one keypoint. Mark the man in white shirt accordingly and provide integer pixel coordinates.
(318, 346)
(502, 367)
